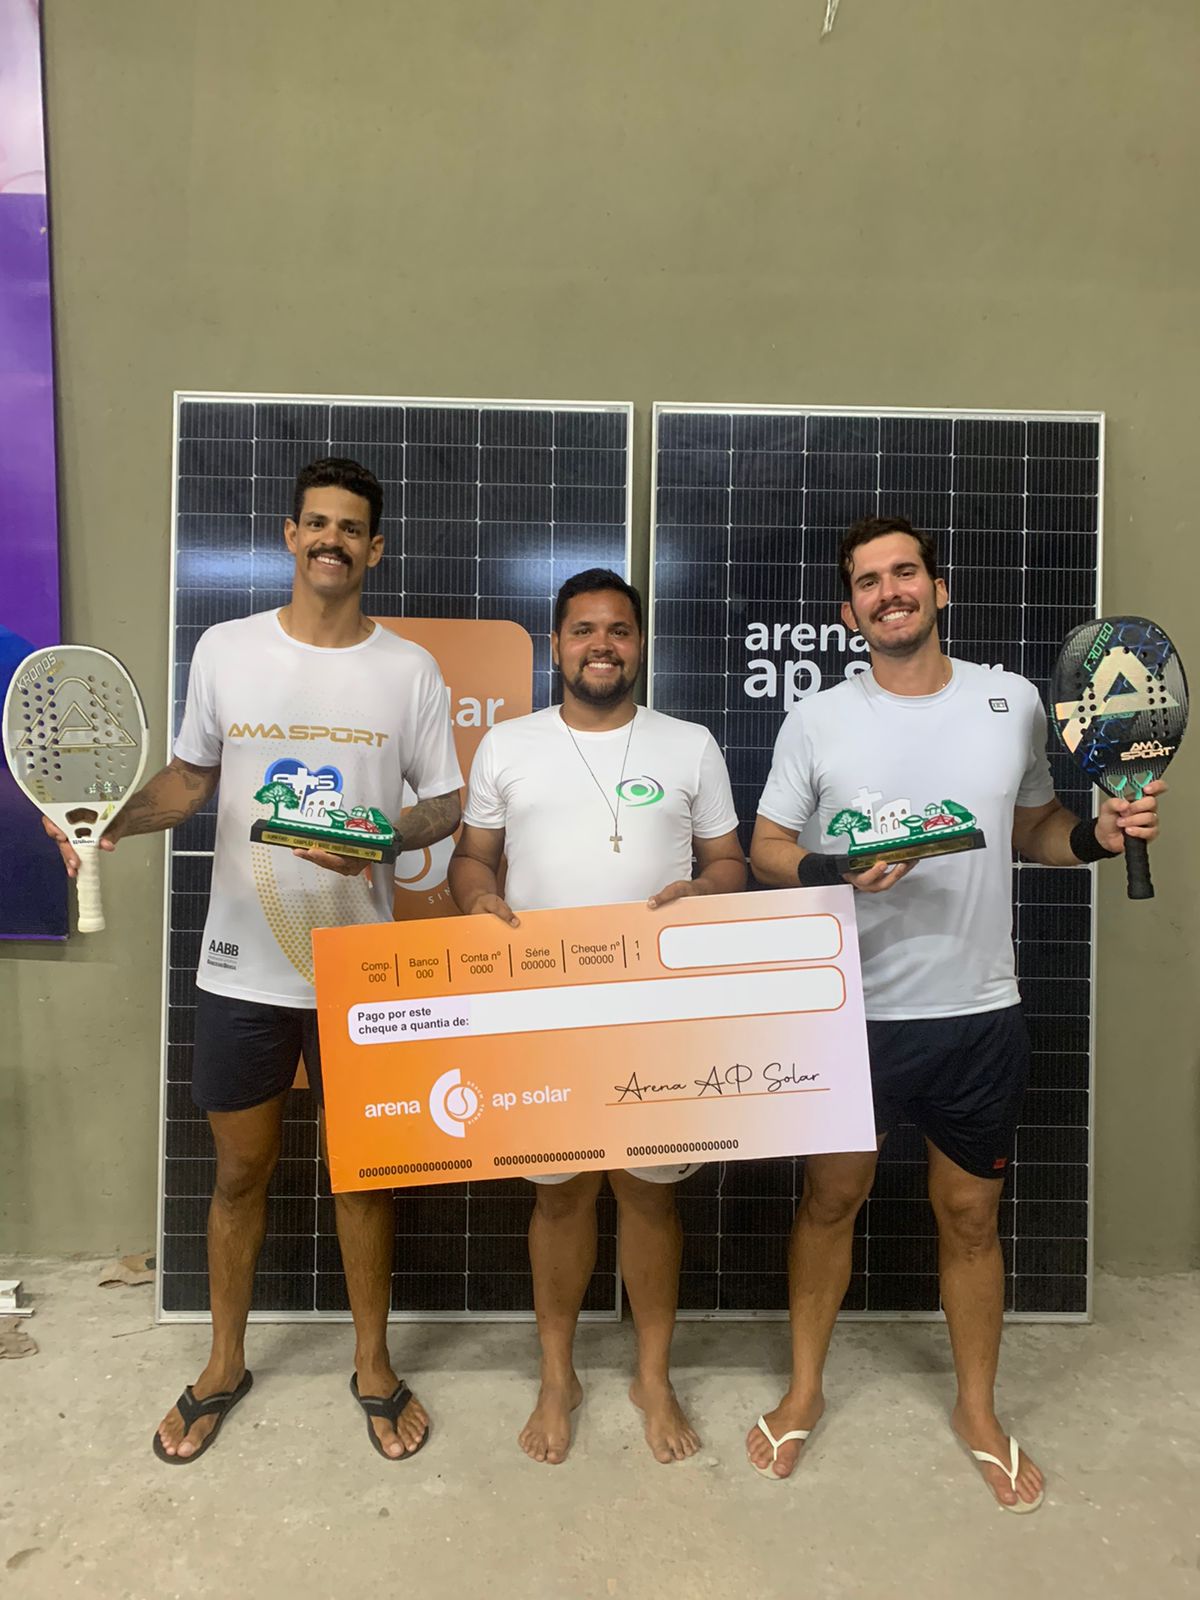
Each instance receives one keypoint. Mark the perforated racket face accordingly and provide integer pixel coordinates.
(1120, 702)
(75, 736)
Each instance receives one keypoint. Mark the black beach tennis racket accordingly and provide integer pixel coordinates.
(1119, 701)
(75, 741)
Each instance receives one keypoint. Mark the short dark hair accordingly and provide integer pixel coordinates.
(593, 581)
(868, 528)
(339, 472)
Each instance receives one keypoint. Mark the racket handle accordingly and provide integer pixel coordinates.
(87, 885)
(1137, 870)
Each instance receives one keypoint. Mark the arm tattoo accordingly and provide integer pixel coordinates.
(430, 820)
(171, 797)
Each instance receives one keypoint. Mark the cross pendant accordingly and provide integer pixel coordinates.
(615, 841)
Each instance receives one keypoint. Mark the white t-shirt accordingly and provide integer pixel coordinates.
(341, 728)
(939, 943)
(554, 791)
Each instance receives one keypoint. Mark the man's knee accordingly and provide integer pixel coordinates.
(835, 1190)
(966, 1223)
(648, 1199)
(833, 1207)
(242, 1175)
(554, 1201)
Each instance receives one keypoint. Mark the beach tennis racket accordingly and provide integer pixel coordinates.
(75, 741)
(1119, 699)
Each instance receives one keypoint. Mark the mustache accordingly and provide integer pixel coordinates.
(329, 550)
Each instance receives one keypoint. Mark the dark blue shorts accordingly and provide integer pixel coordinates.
(245, 1053)
(960, 1079)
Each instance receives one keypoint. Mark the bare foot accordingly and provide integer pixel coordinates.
(177, 1441)
(547, 1434)
(669, 1434)
(787, 1415)
(987, 1434)
(412, 1422)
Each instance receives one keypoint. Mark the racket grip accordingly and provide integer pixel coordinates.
(87, 885)
(1137, 870)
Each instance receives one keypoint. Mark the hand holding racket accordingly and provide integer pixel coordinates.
(75, 741)
(1119, 703)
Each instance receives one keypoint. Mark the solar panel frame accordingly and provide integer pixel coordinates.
(300, 1183)
(901, 1169)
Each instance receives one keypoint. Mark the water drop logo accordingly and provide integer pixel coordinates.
(643, 791)
(454, 1104)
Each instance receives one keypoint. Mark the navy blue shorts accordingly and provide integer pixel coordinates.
(245, 1053)
(960, 1079)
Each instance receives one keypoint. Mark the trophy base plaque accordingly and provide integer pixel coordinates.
(377, 843)
(864, 856)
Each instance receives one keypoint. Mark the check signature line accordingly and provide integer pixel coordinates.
(676, 1099)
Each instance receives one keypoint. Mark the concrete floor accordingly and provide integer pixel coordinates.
(293, 1502)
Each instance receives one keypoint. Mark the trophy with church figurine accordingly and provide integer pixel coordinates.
(894, 832)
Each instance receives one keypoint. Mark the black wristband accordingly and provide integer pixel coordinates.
(1085, 846)
(817, 871)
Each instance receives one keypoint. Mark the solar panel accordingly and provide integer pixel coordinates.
(489, 506)
(750, 505)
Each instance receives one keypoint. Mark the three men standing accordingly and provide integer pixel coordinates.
(602, 801)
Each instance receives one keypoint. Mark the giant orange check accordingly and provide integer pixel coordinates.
(719, 1027)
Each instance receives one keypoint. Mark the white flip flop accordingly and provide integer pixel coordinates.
(776, 1445)
(1022, 1507)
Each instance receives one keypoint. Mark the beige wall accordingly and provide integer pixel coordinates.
(946, 203)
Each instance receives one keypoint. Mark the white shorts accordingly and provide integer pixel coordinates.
(647, 1174)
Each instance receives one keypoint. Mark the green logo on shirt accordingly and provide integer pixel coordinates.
(643, 791)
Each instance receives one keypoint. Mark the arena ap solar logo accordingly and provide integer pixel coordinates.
(643, 791)
(453, 1104)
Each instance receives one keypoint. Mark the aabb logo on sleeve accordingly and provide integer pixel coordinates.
(221, 953)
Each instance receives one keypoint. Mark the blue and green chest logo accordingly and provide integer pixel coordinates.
(643, 791)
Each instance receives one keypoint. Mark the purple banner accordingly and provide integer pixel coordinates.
(33, 896)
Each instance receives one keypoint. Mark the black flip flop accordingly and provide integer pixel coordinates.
(375, 1406)
(218, 1405)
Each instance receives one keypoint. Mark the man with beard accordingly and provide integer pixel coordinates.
(948, 1046)
(323, 708)
(595, 802)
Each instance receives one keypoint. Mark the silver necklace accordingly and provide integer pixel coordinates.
(614, 812)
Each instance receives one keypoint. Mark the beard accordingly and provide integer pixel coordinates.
(594, 694)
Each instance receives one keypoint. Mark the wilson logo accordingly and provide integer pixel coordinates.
(298, 732)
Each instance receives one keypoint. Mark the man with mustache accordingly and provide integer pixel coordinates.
(318, 702)
(948, 1046)
(595, 802)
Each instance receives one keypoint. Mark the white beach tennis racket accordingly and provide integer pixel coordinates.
(75, 741)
